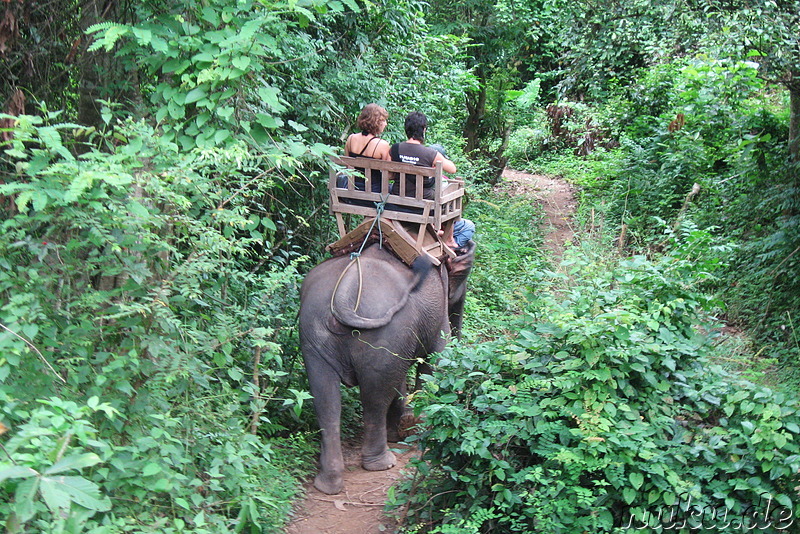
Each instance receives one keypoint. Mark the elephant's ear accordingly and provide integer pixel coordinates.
(458, 268)
(370, 293)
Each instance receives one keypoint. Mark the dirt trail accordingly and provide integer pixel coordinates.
(558, 201)
(359, 510)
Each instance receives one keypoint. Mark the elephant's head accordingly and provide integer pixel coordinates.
(459, 269)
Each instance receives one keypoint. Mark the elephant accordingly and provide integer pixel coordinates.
(363, 322)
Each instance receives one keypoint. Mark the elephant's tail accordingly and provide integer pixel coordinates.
(368, 294)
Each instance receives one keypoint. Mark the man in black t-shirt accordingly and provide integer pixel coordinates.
(415, 152)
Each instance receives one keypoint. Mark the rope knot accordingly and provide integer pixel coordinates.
(381, 206)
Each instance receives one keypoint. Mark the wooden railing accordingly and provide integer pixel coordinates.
(407, 204)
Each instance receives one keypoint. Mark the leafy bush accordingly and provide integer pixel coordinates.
(525, 145)
(507, 259)
(703, 139)
(145, 310)
(604, 410)
(685, 123)
(44, 457)
(568, 127)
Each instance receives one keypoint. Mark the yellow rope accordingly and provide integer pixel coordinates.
(356, 260)
(360, 283)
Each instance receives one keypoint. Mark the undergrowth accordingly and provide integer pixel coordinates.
(701, 139)
(149, 371)
(507, 264)
(605, 411)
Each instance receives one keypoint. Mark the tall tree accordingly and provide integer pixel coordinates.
(508, 41)
(767, 31)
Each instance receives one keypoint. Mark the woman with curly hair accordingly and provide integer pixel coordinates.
(368, 143)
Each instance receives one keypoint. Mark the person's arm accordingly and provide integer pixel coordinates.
(447, 165)
(384, 150)
(394, 150)
(347, 145)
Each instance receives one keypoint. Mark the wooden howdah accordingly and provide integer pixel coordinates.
(409, 222)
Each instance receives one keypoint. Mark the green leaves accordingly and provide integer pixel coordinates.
(78, 461)
(603, 407)
(164, 250)
(637, 479)
(269, 96)
(40, 477)
(59, 493)
(217, 79)
(17, 471)
(629, 495)
(194, 95)
(109, 33)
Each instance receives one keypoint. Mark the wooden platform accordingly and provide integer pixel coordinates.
(408, 215)
(397, 237)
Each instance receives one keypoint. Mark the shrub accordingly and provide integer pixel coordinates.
(603, 412)
(143, 312)
(507, 259)
(704, 139)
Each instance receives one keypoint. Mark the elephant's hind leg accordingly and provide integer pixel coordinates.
(375, 454)
(395, 413)
(325, 388)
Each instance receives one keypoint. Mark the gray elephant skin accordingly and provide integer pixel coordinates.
(364, 322)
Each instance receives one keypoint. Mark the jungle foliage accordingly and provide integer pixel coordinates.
(606, 410)
(155, 349)
(151, 260)
(162, 191)
(705, 137)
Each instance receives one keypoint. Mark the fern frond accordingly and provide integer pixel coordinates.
(101, 26)
(109, 34)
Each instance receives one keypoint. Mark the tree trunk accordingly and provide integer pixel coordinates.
(499, 159)
(476, 109)
(794, 117)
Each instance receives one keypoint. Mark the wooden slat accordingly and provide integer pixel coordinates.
(398, 239)
(433, 253)
(393, 234)
(393, 166)
(450, 216)
(340, 224)
(422, 227)
(367, 196)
